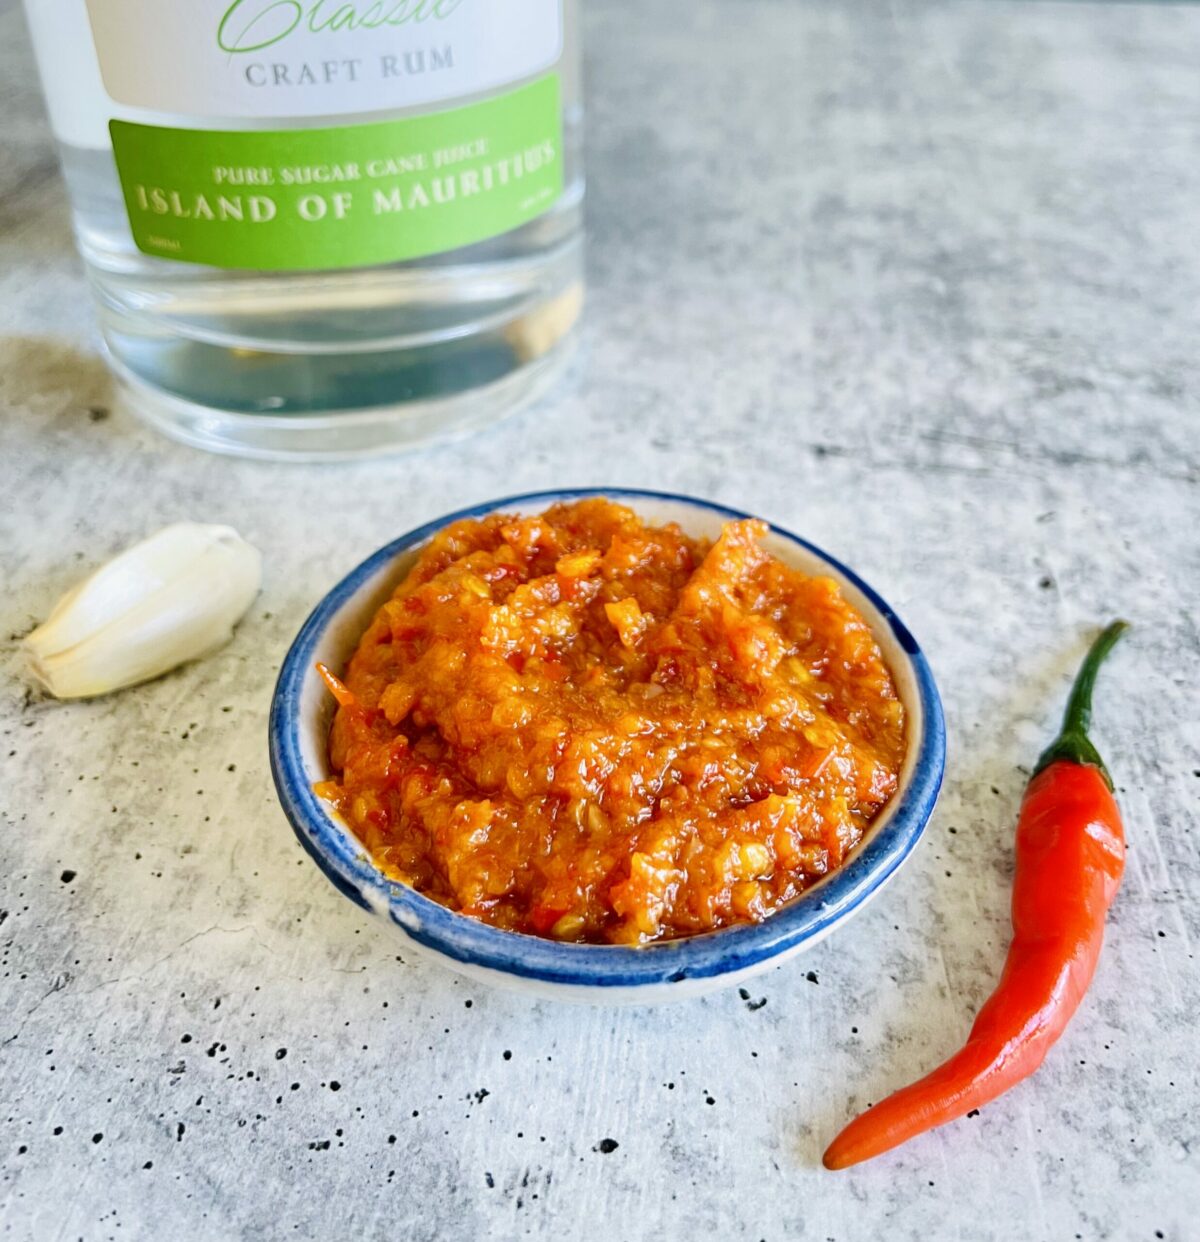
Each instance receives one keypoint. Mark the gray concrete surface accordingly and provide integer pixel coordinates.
(920, 281)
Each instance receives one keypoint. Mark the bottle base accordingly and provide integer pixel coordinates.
(344, 434)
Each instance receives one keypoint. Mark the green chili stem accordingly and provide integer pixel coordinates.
(1073, 743)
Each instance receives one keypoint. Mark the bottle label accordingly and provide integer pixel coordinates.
(346, 195)
(205, 182)
(304, 58)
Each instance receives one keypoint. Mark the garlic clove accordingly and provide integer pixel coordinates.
(172, 598)
(125, 580)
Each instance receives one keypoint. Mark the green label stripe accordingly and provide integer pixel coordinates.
(347, 196)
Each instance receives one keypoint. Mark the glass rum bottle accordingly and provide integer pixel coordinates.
(321, 228)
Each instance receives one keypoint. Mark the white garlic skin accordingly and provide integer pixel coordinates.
(171, 598)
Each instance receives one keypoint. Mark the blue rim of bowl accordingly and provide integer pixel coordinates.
(476, 944)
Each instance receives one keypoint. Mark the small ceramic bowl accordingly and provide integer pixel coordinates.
(299, 728)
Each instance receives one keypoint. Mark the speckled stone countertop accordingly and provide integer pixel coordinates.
(921, 281)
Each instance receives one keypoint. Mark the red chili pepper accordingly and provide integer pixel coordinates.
(1070, 853)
